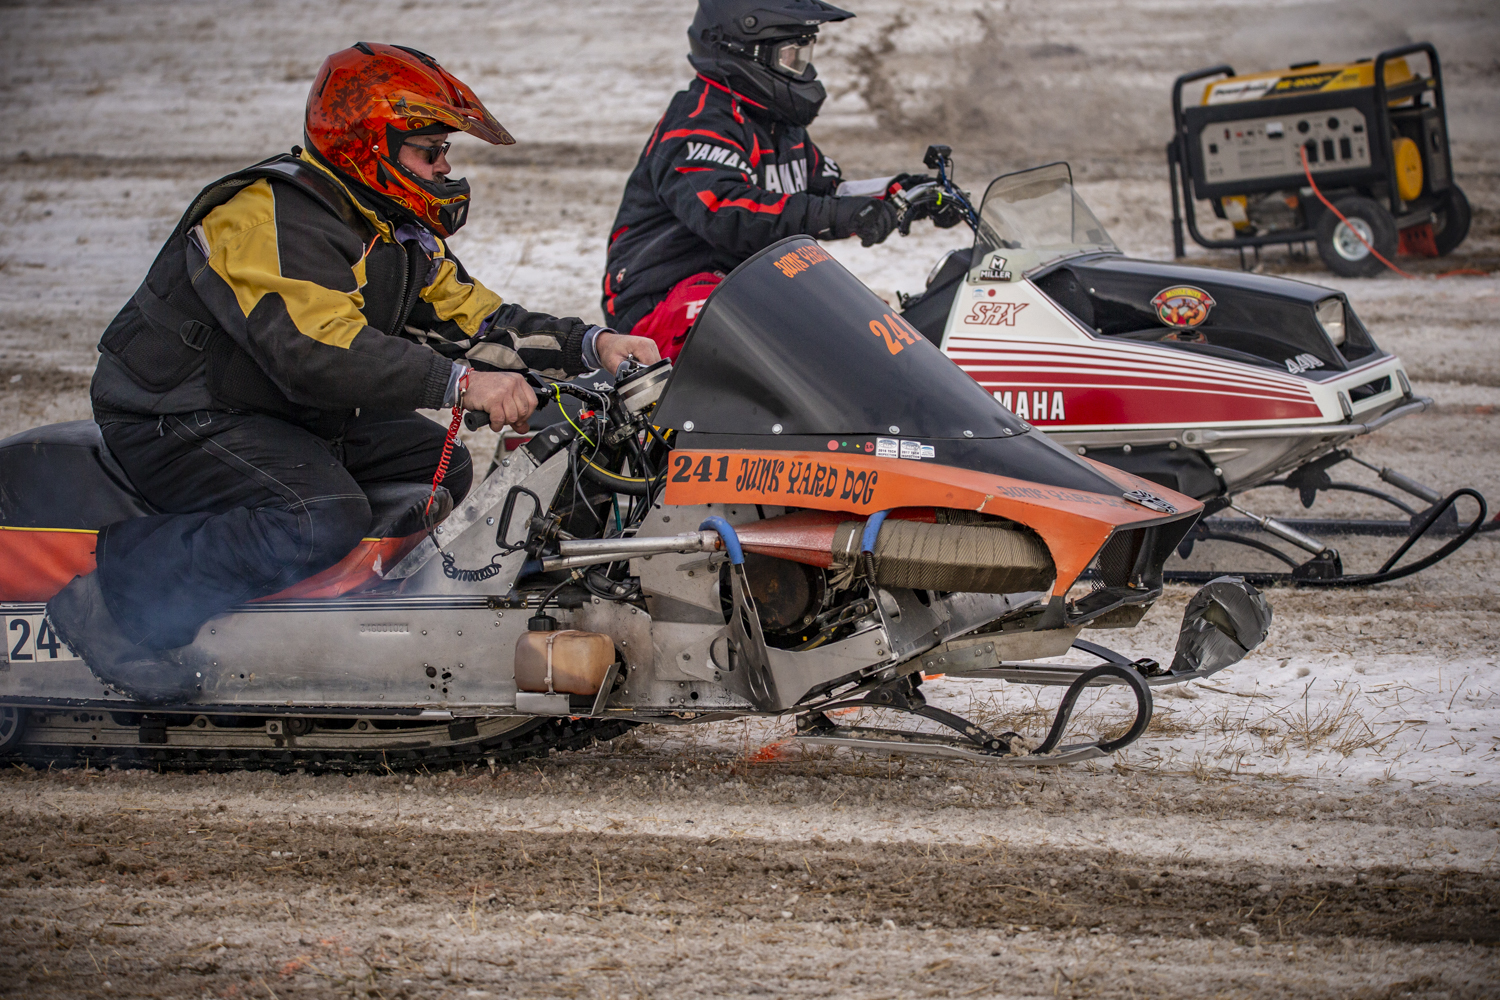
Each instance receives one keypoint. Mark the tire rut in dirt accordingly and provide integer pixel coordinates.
(535, 740)
(674, 877)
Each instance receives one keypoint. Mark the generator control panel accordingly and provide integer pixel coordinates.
(1252, 149)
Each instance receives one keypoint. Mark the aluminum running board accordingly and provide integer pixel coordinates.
(980, 660)
(1061, 675)
(930, 745)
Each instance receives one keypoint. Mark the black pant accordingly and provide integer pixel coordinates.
(254, 505)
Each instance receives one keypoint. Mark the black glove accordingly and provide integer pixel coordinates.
(933, 203)
(871, 219)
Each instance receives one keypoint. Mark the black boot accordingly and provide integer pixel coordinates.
(81, 620)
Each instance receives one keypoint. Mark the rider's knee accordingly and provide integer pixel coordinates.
(334, 526)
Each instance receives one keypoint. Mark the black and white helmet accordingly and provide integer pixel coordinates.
(763, 48)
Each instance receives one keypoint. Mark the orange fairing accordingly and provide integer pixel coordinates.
(1073, 523)
(35, 563)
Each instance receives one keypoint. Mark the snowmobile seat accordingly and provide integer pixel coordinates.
(59, 485)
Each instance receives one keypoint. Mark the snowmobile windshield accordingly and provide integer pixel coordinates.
(793, 344)
(1032, 217)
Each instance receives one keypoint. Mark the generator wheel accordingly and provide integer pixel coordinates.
(1450, 221)
(1342, 251)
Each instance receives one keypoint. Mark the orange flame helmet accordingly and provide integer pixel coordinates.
(369, 99)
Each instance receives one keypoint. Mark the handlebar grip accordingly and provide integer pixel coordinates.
(475, 419)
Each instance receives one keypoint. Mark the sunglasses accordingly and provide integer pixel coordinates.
(431, 154)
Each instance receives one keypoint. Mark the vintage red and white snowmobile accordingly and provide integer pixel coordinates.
(815, 506)
(1210, 382)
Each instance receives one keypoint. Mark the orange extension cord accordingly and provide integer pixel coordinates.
(1360, 236)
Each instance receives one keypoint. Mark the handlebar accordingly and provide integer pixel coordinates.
(546, 393)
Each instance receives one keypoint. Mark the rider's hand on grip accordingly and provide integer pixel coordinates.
(931, 202)
(506, 397)
(871, 219)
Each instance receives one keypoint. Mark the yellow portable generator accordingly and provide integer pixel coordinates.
(1372, 135)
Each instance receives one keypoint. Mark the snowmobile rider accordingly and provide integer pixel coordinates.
(730, 170)
(271, 364)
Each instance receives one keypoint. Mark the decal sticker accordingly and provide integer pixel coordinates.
(917, 450)
(30, 639)
(1302, 363)
(703, 472)
(1043, 404)
(897, 333)
(887, 448)
(1182, 305)
(795, 478)
(994, 313)
(1150, 501)
(799, 260)
(996, 271)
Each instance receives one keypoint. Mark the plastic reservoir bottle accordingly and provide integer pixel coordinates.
(565, 661)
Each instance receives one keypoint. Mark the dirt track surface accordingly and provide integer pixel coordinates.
(1318, 821)
(624, 872)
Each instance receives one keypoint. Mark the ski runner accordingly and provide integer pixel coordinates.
(730, 170)
(273, 360)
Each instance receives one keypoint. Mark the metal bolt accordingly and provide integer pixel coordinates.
(968, 434)
(1218, 471)
(505, 462)
(440, 531)
(894, 429)
(1082, 450)
(687, 425)
(460, 631)
(489, 520)
(1126, 449)
(775, 428)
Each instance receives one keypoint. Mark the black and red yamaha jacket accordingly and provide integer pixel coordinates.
(720, 179)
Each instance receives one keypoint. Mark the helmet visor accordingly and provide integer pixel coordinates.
(794, 55)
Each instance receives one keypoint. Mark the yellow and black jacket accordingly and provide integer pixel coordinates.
(281, 292)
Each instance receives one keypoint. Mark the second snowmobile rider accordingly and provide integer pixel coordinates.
(730, 170)
(272, 362)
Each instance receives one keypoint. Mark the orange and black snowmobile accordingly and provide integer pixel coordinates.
(815, 507)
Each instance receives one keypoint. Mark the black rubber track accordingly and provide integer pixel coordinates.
(536, 741)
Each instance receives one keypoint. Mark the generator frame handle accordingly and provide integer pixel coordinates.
(1177, 159)
(1381, 105)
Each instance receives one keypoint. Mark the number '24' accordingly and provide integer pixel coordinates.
(45, 639)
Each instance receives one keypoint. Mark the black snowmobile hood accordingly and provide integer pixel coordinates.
(1256, 319)
(792, 352)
